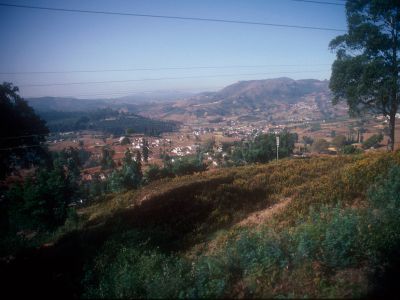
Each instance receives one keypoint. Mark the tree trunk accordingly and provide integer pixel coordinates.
(392, 126)
(395, 83)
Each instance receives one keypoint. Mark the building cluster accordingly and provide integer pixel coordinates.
(185, 150)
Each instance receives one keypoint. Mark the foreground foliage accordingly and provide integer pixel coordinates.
(22, 132)
(336, 238)
(219, 234)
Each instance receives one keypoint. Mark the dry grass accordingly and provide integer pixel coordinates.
(199, 215)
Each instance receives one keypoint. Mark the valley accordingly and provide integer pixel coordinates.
(237, 113)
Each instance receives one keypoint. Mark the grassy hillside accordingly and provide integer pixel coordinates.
(320, 227)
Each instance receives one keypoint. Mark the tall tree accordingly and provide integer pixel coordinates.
(107, 161)
(138, 159)
(145, 150)
(22, 132)
(366, 69)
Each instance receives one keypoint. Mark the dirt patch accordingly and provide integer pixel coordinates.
(259, 217)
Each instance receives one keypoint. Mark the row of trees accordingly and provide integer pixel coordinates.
(342, 144)
(261, 150)
(131, 176)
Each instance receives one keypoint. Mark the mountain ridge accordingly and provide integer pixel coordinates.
(267, 99)
(272, 99)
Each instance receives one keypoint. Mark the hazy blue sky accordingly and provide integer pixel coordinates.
(35, 40)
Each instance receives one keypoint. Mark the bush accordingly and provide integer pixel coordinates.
(307, 140)
(154, 172)
(258, 253)
(342, 243)
(373, 141)
(187, 165)
(41, 202)
(320, 145)
(385, 196)
(179, 167)
(331, 237)
(129, 268)
(315, 127)
(350, 149)
(339, 141)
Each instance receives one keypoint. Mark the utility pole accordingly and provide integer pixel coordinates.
(277, 148)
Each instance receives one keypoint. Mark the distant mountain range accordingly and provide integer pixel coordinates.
(279, 99)
(128, 102)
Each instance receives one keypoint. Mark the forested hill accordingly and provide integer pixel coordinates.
(127, 102)
(106, 120)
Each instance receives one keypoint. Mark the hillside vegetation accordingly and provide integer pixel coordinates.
(319, 227)
(105, 120)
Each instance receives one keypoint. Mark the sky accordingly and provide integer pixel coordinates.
(50, 41)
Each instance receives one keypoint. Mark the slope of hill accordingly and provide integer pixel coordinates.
(271, 99)
(320, 227)
(281, 89)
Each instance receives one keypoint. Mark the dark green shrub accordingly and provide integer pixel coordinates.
(385, 223)
(385, 194)
(187, 165)
(315, 127)
(339, 141)
(341, 245)
(373, 141)
(41, 202)
(210, 278)
(350, 149)
(331, 236)
(259, 252)
(129, 267)
(320, 145)
(154, 172)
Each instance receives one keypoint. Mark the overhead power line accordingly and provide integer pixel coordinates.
(161, 78)
(20, 147)
(29, 135)
(320, 2)
(168, 17)
(137, 93)
(157, 69)
(22, 136)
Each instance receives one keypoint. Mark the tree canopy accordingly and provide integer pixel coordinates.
(22, 132)
(262, 149)
(366, 69)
